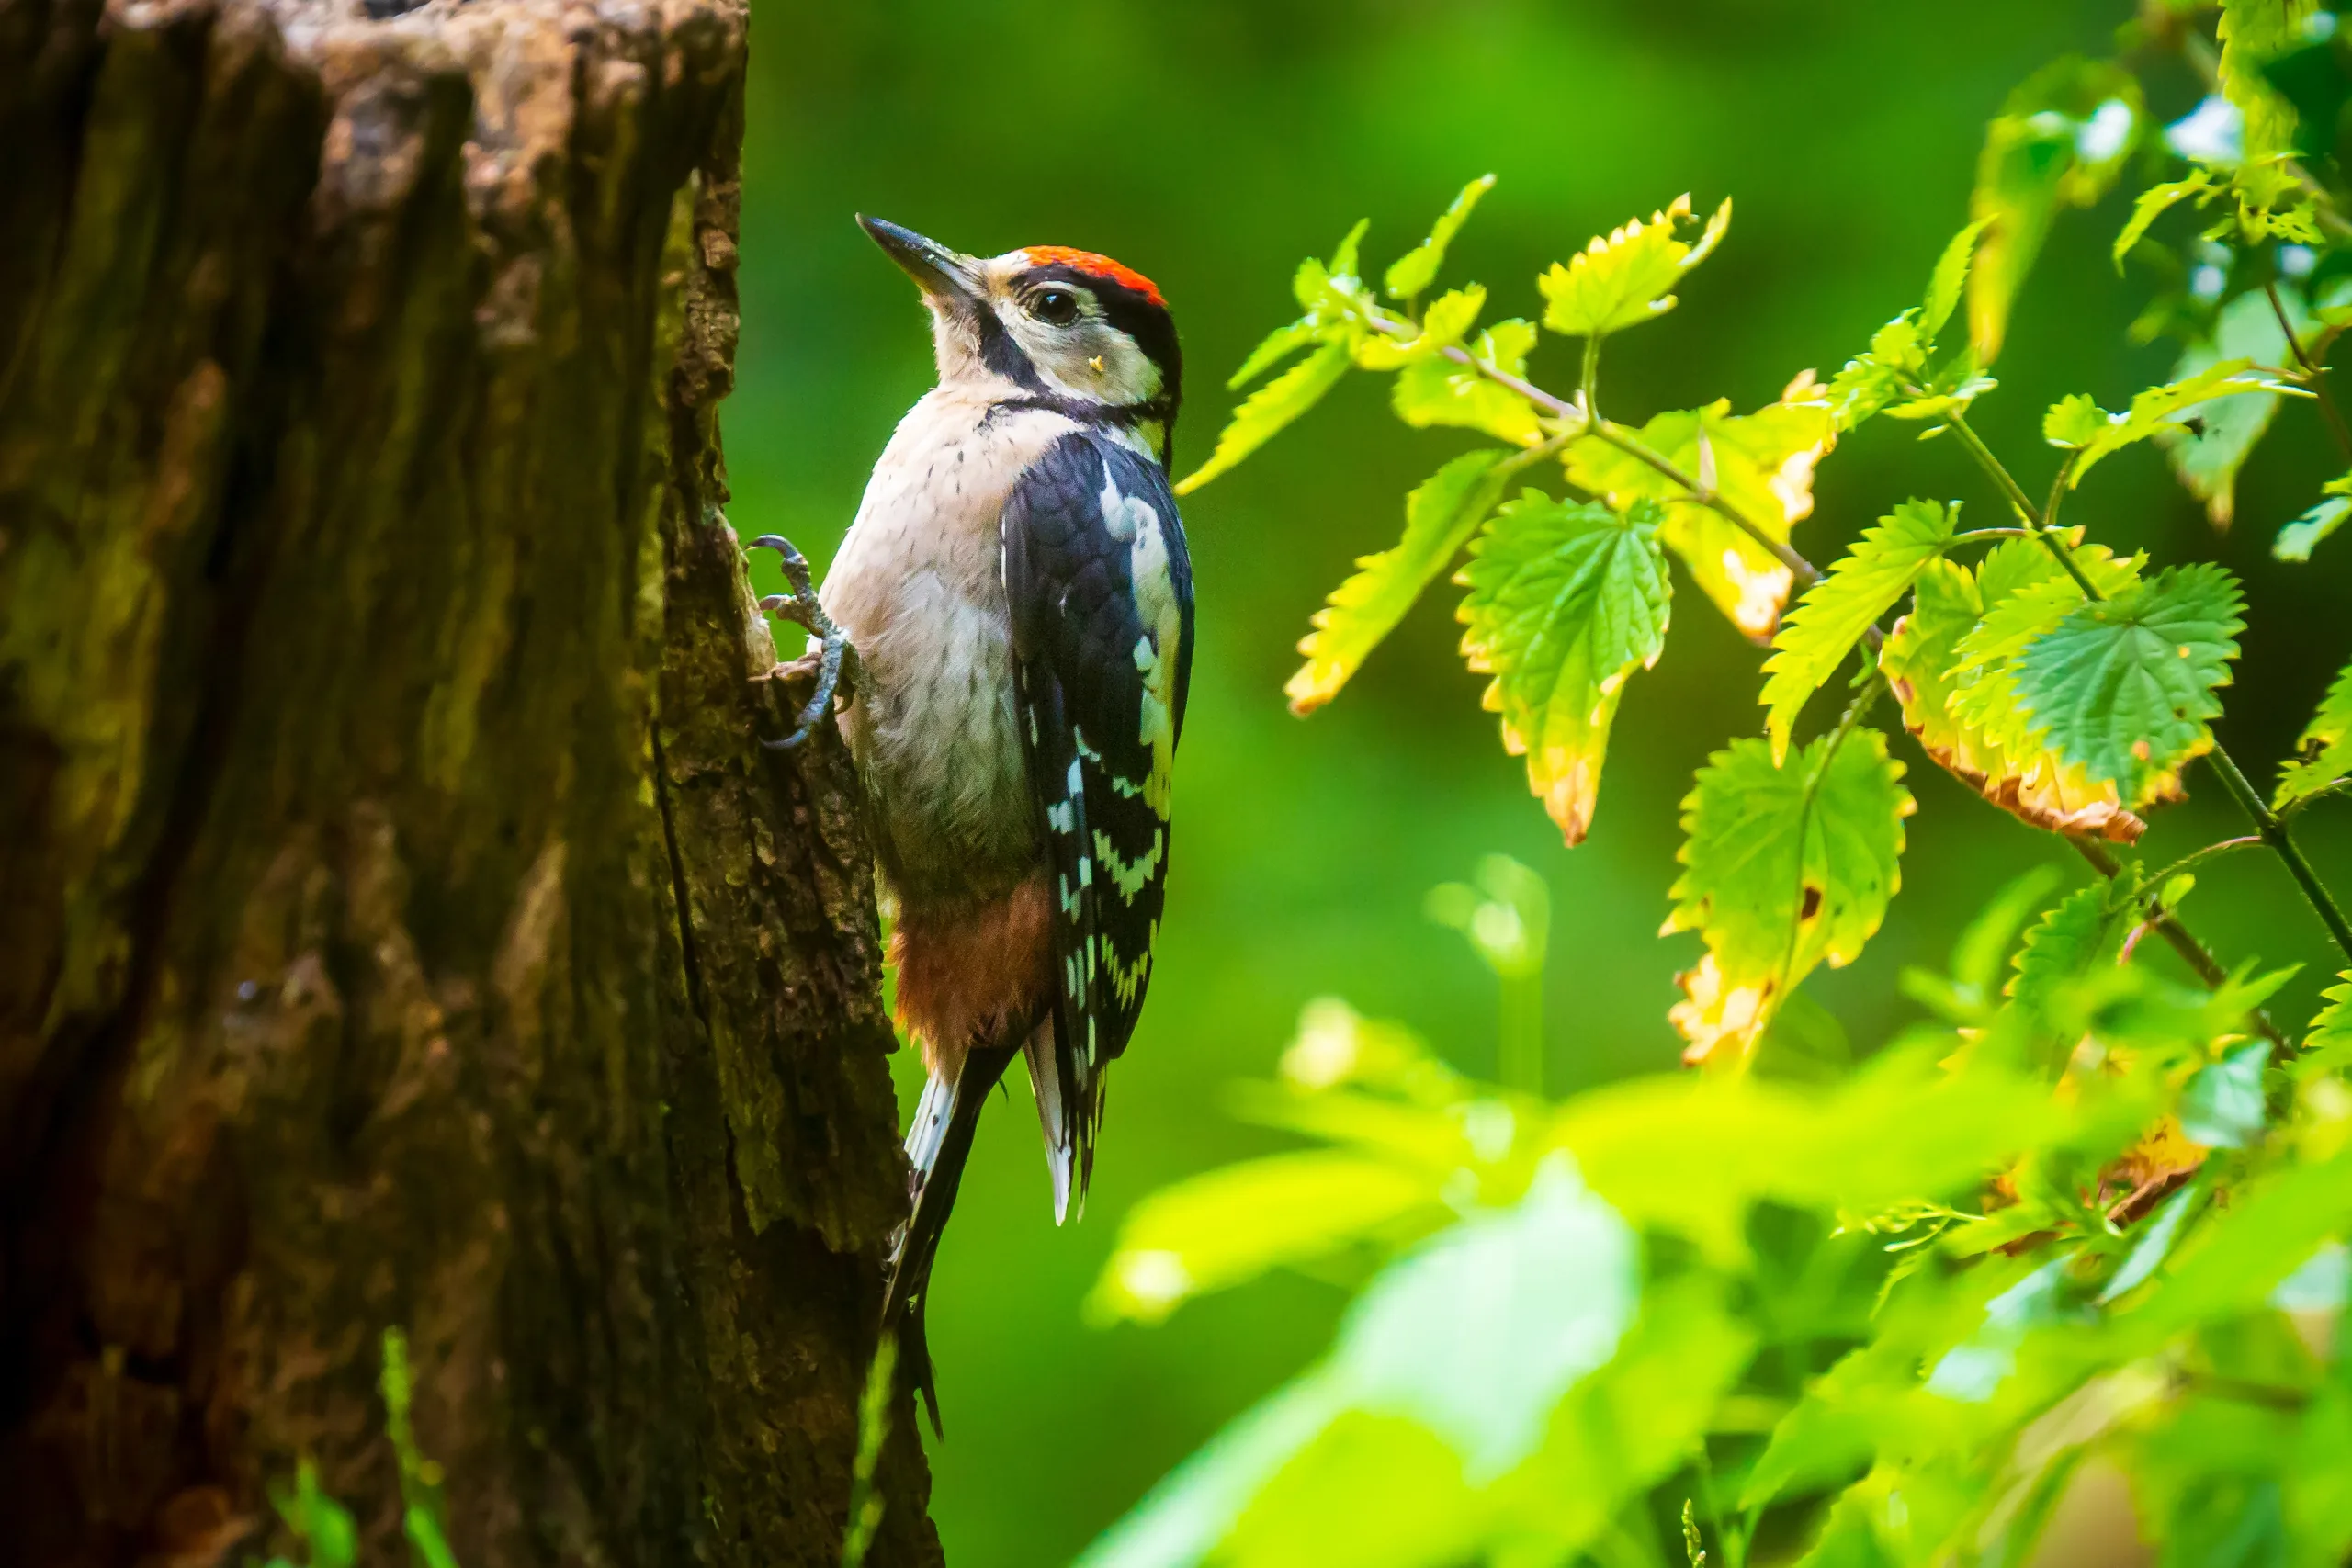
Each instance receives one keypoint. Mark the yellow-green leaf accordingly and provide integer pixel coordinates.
(1785, 866)
(1564, 602)
(2153, 411)
(2060, 141)
(2325, 753)
(1622, 279)
(2252, 33)
(1440, 517)
(2154, 203)
(1271, 350)
(1417, 268)
(2297, 539)
(1835, 612)
(1449, 317)
(1266, 411)
(1437, 390)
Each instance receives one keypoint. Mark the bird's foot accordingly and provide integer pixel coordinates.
(833, 661)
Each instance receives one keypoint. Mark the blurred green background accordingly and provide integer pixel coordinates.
(1212, 145)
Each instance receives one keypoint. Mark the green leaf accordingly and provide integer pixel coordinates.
(1945, 283)
(1784, 866)
(1760, 463)
(1266, 411)
(1564, 602)
(2064, 946)
(1343, 260)
(2252, 33)
(1232, 1224)
(330, 1536)
(2221, 1106)
(2325, 753)
(1436, 390)
(2060, 141)
(1449, 317)
(1440, 517)
(1622, 280)
(1417, 268)
(1921, 659)
(1272, 349)
(2154, 412)
(2297, 539)
(2327, 1043)
(2154, 203)
(1835, 612)
(1804, 1044)
(2207, 459)
(2126, 687)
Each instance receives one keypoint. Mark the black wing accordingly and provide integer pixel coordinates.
(1100, 592)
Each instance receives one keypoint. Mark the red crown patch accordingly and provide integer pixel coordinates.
(1097, 266)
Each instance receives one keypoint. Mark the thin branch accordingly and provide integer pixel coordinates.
(2182, 941)
(2313, 376)
(2294, 807)
(2196, 857)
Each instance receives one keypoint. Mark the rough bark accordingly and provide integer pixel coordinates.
(398, 925)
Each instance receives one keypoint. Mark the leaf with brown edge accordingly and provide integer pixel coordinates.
(1564, 602)
(1921, 660)
(1761, 464)
(1785, 868)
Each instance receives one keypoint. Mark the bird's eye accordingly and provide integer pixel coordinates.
(1055, 307)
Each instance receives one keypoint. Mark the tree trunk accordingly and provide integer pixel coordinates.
(398, 924)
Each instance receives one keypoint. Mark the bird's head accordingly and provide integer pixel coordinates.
(1046, 322)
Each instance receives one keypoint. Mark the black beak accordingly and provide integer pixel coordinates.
(948, 278)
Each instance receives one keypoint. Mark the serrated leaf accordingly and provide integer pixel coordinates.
(1945, 283)
(2297, 539)
(1271, 350)
(2060, 141)
(2325, 753)
(1417, 268)
(1265, 412)
(1439, 516)
(1760, 463)
(1564, 602)
(2154, 203)
(1835, 612)
(2327, 1043)
(1438, 391)
(2072, 421)
(1921, 660)
(1622, 279)
(1784, 867)
(1443, 325)
(2252, 32)
(1343, 260)
(2157, 411)
(2025, 594)
(2062, 946)
(2126, 687)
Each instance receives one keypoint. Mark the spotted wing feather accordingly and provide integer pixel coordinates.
(1100, 592)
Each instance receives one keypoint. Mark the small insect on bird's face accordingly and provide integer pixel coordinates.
(1046, 319)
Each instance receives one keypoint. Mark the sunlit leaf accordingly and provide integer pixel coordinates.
(2126, 687)
(1761, 464)
(2154, 412)
(2297, 539)
(1945, 283)
(2327, 1043)
(1622, 279)
(1784, 867)
(1439, 516)
(1448, 318)
(2208, 452)
(1271, 350)
(2060, 141)
(1835, 612)
(2252, 33)
(2325, 753)
(1564, 602)
(2154, 203)
(1417, 268)
(1437, 390)
(1921, 660)
(1230, 1225)
(1263, 414)
(2063, 944)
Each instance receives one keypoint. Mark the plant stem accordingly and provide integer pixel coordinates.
(2294, 807)
(1625, 441)
(2179, 938)
(2267, 823)
(2313, 376)
(2196, 857)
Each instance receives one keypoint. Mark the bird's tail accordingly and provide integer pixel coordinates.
(937, 1145)
(1069, 1113)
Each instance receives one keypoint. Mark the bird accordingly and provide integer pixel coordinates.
(1008, 626)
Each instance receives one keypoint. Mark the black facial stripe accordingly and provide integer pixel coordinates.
(1133, 313)
(1004, 357)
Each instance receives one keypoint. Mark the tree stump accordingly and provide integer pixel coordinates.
(399, 925)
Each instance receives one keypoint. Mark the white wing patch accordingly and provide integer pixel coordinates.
(1136, 524)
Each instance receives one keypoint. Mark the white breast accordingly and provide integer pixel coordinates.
(919, 586)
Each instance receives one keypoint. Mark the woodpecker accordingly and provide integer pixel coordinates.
(1009, 620)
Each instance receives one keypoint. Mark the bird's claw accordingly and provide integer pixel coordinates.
(834, 663)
